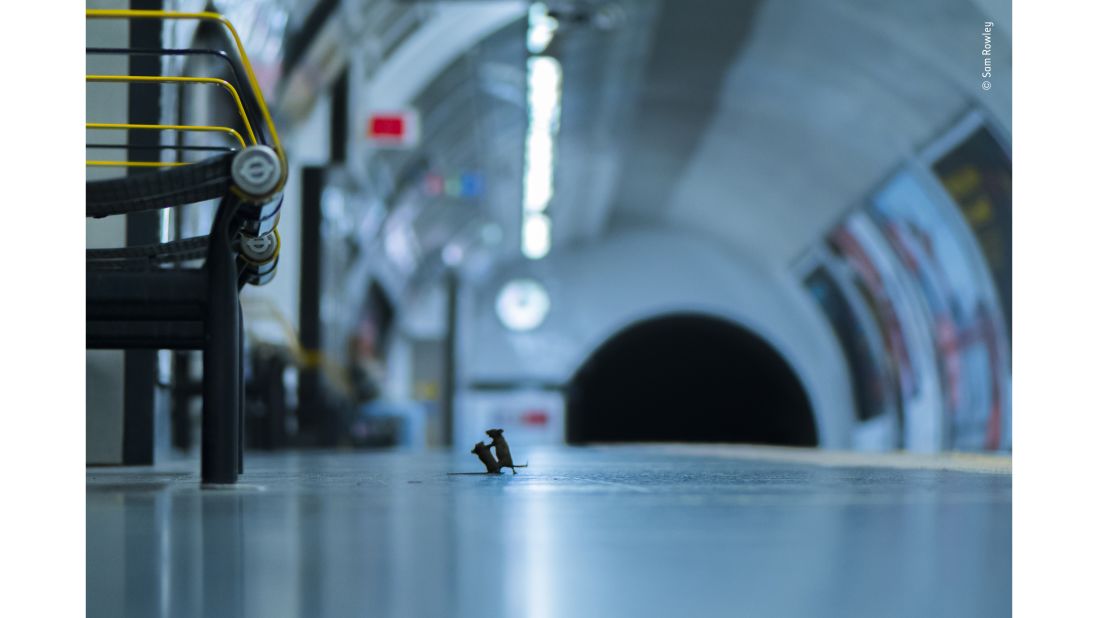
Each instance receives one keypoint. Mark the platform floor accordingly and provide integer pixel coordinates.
(583, 532)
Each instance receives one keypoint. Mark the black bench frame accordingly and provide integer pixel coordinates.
(185, 309)
(150, 297)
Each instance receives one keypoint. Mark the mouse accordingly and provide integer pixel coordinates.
(485, 454)
(503, 452)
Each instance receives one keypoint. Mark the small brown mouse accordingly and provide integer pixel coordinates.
(503, 452)
(485, 454)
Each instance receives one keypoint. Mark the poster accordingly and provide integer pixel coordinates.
(951, 278)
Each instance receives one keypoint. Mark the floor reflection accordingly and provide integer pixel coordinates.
(582, 532)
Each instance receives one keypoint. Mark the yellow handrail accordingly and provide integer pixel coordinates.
(167, 127)
(182, 80)
(178, 127)
(214, 17)
(135, 163)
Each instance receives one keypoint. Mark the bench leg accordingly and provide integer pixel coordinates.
(240, 390)
(221, 382)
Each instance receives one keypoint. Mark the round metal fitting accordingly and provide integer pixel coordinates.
(259, 249)
(256, 170)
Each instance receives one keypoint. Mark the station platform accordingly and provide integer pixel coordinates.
(668, 530)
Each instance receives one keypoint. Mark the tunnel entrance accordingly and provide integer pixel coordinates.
(688, 378)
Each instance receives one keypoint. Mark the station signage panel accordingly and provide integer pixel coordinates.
(393, 128)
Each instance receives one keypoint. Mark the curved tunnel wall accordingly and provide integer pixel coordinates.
(599, 290)
(688, 378)
(794, 141)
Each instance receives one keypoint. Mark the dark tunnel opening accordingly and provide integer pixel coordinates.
(688, 378)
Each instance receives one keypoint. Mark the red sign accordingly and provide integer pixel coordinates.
(395, 129)
(387, 126)
(535, 417)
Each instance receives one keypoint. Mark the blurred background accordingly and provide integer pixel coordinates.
(763, 221)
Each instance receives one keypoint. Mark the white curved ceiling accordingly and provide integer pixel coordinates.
(823, 101)
(756, 123)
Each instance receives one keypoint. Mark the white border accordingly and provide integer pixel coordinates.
(1055, 309)
(42, 253)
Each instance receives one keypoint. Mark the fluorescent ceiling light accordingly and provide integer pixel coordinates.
(543, 99)
(540, 29)
(536, 236)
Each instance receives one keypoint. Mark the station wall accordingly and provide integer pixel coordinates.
(601, 288)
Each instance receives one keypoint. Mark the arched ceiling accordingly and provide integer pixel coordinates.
(754, 122)
(821, 103)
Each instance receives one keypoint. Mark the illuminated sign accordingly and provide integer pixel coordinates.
(393, 129)
(463, 185)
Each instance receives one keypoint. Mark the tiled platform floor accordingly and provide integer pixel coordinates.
(583, 532)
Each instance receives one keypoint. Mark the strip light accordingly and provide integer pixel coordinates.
(543, 77)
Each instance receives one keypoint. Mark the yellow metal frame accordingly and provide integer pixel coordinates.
(156, 127)
(168, 127)
(135, 163)
(182, 80)
(220, 19)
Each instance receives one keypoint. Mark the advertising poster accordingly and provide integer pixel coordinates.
(930, 247)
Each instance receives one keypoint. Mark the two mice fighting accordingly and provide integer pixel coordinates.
(503, 453)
